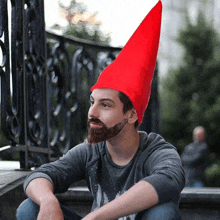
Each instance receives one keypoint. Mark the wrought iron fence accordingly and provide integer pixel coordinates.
(45, 82)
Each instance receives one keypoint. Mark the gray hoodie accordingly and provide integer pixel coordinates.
(156, 162)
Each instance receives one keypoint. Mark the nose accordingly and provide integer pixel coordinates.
(93, 112)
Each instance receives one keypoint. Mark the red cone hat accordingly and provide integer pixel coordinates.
(132, 71)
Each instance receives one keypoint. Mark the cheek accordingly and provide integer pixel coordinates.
(113, 119)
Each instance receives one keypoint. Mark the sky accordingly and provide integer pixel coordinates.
(119, 18)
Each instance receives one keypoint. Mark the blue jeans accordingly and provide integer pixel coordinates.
(195, 184)
(28, 210)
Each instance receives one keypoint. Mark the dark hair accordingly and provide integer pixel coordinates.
(127, 105)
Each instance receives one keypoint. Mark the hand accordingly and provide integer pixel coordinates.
(50, 210)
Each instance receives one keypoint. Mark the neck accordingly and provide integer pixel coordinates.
(123, 147)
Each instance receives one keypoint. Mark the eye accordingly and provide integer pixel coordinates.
(91, 102)
(105, 105)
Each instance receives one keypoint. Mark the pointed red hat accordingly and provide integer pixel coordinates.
(132, 71)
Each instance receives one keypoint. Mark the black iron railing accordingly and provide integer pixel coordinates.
(45, 84)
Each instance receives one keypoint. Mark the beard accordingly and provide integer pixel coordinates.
(96, 135)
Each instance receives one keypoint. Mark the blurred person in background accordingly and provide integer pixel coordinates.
(195, 159)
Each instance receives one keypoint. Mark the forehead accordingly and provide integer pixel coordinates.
(100, 94)
(199, 131)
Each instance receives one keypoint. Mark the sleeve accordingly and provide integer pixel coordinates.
(165, 170)
(62, 173)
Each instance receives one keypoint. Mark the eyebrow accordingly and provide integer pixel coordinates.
(103, 99)
(106, 99)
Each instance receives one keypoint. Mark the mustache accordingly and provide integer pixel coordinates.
(95, 120)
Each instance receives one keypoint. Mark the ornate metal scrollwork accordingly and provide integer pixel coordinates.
(45, 83)
(9, 110)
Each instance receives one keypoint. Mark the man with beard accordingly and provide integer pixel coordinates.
(130, 174)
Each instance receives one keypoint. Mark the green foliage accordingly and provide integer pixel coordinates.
(212, 172)
(198, 40)
(190, 94)
(212, 175)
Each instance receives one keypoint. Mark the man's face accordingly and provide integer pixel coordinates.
(105, 117)
(199, 134)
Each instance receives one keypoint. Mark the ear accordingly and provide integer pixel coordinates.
(132, 116)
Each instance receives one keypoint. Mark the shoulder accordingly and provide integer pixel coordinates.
(189, 147)
(153, 147)
(204, 144)
(154, 141)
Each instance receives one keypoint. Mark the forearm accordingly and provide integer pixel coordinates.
(139, 197)
(39, 190)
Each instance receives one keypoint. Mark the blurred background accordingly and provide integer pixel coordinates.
(188, 59)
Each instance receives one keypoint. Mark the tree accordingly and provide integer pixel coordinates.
(81, 23)
(191, 93)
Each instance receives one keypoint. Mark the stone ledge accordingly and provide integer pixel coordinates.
(78, 198)
(195, 203)
(188, 195)
(76, 194)
(10, 179)
(208, 198)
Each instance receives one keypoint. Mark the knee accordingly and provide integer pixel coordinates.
(27, 210)
(163, 212)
